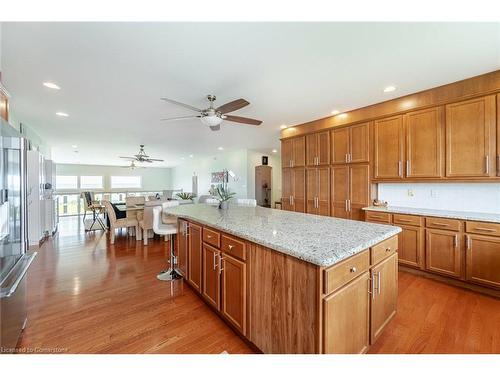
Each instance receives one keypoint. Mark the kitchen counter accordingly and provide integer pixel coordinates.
(320, 240)
(461, 215)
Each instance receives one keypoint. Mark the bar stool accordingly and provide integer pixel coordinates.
(166, 230)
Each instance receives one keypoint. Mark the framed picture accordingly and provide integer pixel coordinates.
(264, 160)
(218, 177)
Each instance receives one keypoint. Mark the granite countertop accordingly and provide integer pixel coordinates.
(461, 215)
(320, 240)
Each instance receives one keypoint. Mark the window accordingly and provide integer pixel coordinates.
(126, 182)
(66, 182)
(90, 182)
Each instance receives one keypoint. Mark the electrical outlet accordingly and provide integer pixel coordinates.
(434, 193)
(411, 193)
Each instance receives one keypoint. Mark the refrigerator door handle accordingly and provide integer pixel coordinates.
(12, 289)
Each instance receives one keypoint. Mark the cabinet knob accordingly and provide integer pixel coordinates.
(388, 249)
(209, 236)
(230, 247)
(353, 269)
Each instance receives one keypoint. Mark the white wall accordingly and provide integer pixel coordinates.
(274, 160)
(155, 179)
(476, 197)
(235, 161)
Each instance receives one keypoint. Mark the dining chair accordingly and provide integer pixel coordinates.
(132, 201)
(246, 202)
(115, 223)
(145, 219)
(90, 205)
(166, 230)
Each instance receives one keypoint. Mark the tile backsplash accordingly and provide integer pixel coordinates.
(476, 197)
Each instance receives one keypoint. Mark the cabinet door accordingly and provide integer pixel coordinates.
(411, 241)
(359, 143)
(323, 147)
(182, 247)
(211, 276)
(195, 256)
(323, 191)
(424, 143)
(234, 292)
(469, 138)
(340, 191)
(483, 260)
(442, 252)
(498, 136)
(286, 152)
(359, 190)
(286, 188)
(388, 139)
(347, 318)
(311, 190)
(299, 190)
(384, 294)
(340, 145)
(311, 149)
(299, 151)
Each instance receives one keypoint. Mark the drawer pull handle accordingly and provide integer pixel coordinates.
(353, 269)
(377, 216)
(440, 224)
(485, 229)
(230, 247)
(405, 220)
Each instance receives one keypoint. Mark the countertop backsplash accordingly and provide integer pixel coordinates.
(471, 197)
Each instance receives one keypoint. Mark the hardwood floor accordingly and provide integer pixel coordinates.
(88, 296)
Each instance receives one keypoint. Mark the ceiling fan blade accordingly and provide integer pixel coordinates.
(179, 118)
(127, 157)
(182, 104)
(243, 120)
(232, 106)
(156, 160)
(215, 127)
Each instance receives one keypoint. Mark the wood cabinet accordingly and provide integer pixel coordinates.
(182, 247)
(483, 260)
(443, 252)
(234, 292)
(318, 190)
(425, 143)
(498, 136)
(470, 138)
(347, 318)
(411, 246)
(384, 295)
(388, 148)
(211, 276)
(350, 190)
(293, 152)
(351, 144)
(195, 256)
(318, 149)
(294, 189)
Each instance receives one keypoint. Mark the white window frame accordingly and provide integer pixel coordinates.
(101, 187)
(66, 188)
(127, 186)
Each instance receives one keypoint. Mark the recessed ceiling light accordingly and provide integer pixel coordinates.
(343, 115)
(191, 156)
(51, 85)
(335, 112)
(74, 146)
(62, 114)
(390, 88)
(274, 150)
(283, 127)
(220, 148)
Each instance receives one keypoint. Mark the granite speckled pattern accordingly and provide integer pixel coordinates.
(461, 215)
(320, 240)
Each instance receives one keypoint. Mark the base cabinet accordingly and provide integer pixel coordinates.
(347, 318)
(384, 295)
(195, 256)
(234, 291)
(211, 276)
(411, 241)
(483, 260)
(443, 253)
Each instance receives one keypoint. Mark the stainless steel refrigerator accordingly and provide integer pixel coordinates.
(14, 256)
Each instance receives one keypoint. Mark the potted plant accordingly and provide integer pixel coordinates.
(223, 196)
(185, 196)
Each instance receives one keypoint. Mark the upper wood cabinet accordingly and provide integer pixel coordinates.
(388, 148)
(483, 260)
(195, 256)
(498, 136)
(293, 152)
(286, 153)
(318, 149)
(470, 138)
(425, 143)
(294, 189)
(351, 144)
(318, 190)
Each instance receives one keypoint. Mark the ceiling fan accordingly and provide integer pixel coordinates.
(212, 117)
(132, 165)
(141, 157)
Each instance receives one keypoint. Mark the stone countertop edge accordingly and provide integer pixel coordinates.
(459, 215)
(324, 262)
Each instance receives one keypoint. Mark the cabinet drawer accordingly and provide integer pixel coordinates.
(407, 220)
(381, 217)
(441, 223)
(489, 229)
(211, 237)
(233, 247)
(384, 249)
(347, 270)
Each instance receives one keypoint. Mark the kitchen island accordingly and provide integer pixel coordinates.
(291, 282)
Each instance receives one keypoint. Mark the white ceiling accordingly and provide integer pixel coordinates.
(113, 74)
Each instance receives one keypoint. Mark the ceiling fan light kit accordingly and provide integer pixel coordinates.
(213, 117)
(141, 157)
